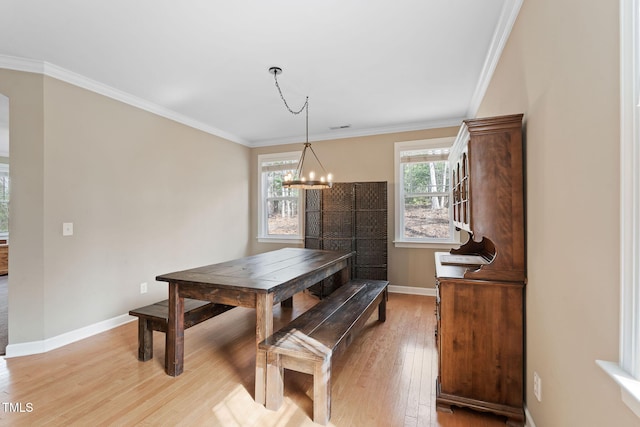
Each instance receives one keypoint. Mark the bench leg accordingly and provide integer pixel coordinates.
(145, 340)
(322, 392)
(288, 303)
(275, 382)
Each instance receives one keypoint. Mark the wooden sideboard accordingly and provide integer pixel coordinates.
(4, 257)
(480, 286)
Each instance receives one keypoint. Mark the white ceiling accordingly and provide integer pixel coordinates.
(376, 65)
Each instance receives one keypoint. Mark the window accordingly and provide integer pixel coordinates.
(626, 372)
(4, 200)
(423, 193)
(279, 217)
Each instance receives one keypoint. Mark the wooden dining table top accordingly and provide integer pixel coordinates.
(262, 273)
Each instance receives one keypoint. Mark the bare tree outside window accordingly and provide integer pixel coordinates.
(281, 204)
(426, 200)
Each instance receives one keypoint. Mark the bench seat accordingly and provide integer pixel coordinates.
(309, 342)
(155, 317)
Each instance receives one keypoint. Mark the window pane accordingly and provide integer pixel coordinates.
(4, 217)
(428, 177)
(4, 203)
(278, 211)
(282, 217)
(423, 174)
(274, 181)
(426, 217)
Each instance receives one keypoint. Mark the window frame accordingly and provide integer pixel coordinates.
(263, 235)
(626, 372)
(403, 242)
(4, 168)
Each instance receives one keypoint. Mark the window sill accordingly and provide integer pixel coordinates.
(281, 239)
(425, 245)
(629, 386)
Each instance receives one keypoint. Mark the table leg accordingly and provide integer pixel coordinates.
(264, 329)
(174, 338)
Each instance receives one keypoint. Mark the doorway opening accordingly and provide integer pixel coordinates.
(4, 223)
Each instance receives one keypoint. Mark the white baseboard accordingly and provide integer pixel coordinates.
(36, 347)
(411, 290)
(528, 418)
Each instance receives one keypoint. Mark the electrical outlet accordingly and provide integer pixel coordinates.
(143, 288)
(537, 386)
(67, 229)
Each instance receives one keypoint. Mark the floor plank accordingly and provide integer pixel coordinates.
(386, 378)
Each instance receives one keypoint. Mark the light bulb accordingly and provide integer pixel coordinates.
(312, 175)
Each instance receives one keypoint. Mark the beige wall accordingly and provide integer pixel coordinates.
(364, 159)
(146, 196)
(26, 262)
(560, 68)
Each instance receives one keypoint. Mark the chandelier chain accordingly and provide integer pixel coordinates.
(306, 102)
(298, 180)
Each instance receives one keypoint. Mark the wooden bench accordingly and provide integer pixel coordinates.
(155, 317)
(308, 343)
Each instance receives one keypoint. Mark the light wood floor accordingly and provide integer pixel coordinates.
(386, 378)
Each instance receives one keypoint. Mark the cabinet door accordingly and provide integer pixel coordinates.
(461, 190)
(481, 341)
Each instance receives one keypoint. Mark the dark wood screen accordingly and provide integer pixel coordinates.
(350, 216)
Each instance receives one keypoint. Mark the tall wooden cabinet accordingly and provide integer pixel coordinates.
(480, 286)
(350, 216)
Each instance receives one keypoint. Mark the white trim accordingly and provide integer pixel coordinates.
(629, 386)
(54, 71)
(21, 64)
(629, 189)
(412, 290)
(503, 30)
(263, 236)
(500, 37)
(36, 347)
(528, 418)
(626, 372)
(426, 245)
(59, 73)
(292, 241)
(353, 133)
(508, 17)
(399, 240)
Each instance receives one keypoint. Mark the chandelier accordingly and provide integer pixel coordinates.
(299, 179)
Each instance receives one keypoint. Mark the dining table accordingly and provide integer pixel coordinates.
(259, 282)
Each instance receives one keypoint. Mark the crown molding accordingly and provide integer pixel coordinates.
(21, 64)
(503, 30)
(340, 134)
(59, 73)
(501, 35)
